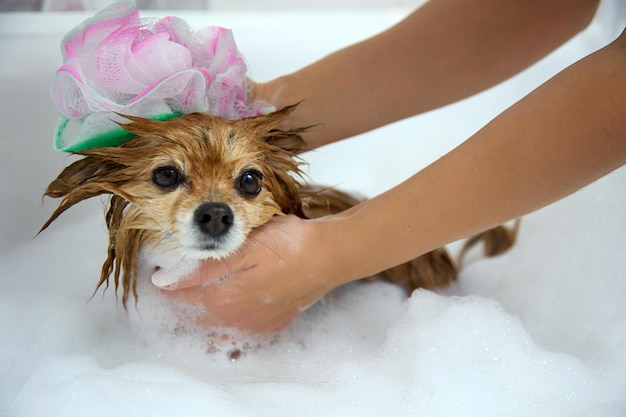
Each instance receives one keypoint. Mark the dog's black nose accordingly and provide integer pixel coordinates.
(214, 219)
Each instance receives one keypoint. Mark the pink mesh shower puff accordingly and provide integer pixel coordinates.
(117, 63)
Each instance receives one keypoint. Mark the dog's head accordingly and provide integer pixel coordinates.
(198, 183)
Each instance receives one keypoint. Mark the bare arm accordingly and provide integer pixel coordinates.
(444, 51)
(566, 134)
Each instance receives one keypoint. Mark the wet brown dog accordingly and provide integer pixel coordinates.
(198, 184)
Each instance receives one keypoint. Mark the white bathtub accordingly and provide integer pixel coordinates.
(538, 331)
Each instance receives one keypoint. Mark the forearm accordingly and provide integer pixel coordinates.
(566, 134)
(445, 51)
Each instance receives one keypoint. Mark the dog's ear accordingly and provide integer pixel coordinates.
(140, 147)
(286, 140)
(268, 128)
(83, 179)
(72, 176)
(270, 121)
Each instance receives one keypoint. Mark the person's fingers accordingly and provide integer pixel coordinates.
(216, 298)
(254, 324)
(261, 288)
(227, 304)
(207, 272)
(225, 309)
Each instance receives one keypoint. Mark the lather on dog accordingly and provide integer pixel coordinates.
(202, 166)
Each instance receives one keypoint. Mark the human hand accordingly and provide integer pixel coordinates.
(282, 269)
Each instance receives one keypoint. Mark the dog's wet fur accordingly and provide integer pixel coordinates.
(200, 183)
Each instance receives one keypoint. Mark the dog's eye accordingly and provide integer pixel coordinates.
(250, 183)
(166, 177)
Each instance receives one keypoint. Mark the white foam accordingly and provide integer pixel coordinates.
(539, 331)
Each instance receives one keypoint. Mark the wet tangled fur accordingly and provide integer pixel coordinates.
(210, 151)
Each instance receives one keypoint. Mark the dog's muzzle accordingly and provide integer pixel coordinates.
(214, 219)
